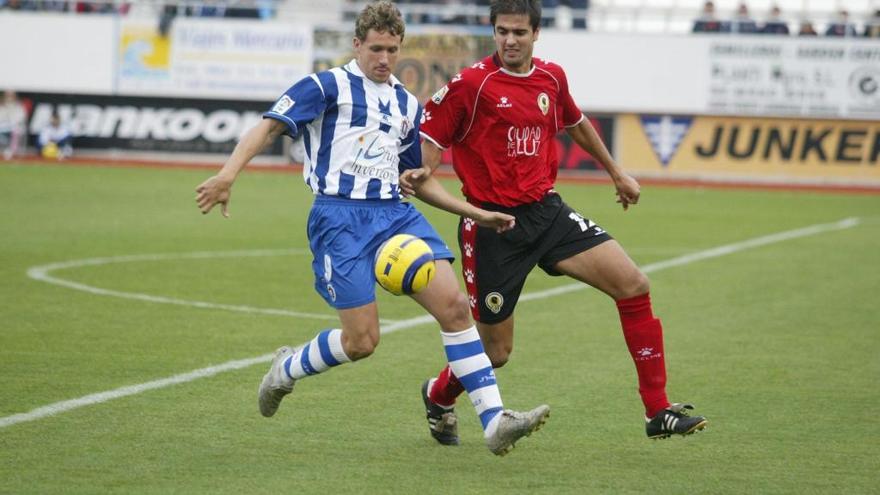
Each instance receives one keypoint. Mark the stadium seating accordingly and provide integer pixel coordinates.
(676, 16)
(643, 16)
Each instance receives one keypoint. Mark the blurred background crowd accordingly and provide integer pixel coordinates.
(839, 18)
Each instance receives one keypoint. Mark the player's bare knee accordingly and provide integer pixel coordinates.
(499, 359)
(498, 354)
(456, 313)
(360, 347)
(636, 285)
(641, 284)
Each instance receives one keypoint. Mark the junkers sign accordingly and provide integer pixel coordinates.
(149, 124)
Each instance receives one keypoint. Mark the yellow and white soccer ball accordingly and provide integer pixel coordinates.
(404, 264)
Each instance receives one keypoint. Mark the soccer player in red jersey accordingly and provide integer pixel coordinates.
(500, 117)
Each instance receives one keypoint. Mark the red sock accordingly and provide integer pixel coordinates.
(644, 338)
(446, 388)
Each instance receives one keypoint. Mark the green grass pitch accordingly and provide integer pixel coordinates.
(776, 344)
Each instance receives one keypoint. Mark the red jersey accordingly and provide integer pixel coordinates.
(502, 127)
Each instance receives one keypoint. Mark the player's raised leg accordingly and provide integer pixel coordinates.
(467, 360)
(608, 268)
(357, 339)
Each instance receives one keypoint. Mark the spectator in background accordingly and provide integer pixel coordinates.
(206, 9)
(55, 140)
(743, 22)
(775, 24)
(872, 26)
(13, 117)
(807, 29)
(841, 28)
(708, 22)
(53, 5)
(20, 5)
(94, 8)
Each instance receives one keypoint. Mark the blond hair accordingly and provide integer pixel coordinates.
(382, 17)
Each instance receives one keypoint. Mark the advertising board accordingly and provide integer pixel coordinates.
(761, 76)
(756, 148)
(211, 58)
(146, 123)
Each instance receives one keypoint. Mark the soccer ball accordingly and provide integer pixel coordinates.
(404, 264)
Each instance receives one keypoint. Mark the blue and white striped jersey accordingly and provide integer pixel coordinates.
(358, 135)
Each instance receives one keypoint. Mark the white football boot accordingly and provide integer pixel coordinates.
(276, 384)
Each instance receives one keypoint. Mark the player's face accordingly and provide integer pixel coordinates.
(515, 40)
(377, 54)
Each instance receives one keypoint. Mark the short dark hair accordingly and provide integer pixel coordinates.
(532, 8)
(382, 17)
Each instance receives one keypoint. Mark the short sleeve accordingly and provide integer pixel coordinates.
(445, 112)
(299, 105)
(571, 113)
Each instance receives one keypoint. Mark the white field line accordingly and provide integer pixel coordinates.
(59, 407)
(42, 273)
(713, 253)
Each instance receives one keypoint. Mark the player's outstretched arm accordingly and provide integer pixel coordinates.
(432, 192)
(217, 189)
(412, 179)
(422, 184)
(588, 139)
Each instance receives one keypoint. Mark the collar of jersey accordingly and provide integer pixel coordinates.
(355, 69)
(517, 74)
(497, 61)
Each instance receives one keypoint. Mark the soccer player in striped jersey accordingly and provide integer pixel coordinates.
(500, 117)
(360, 128)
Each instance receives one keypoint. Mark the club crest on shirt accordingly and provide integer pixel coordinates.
(440, 94)
(405, 126)
(283, 104)
(544, 103)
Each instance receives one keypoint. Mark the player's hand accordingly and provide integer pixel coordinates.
(213, 191)
(410, 180)
(628, 191)
(500, 222)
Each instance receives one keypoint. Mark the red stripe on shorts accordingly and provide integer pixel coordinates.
(469, 263)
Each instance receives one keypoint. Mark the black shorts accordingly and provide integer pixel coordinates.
(495, 266)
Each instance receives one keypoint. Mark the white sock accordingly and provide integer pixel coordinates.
(322, 353)
(469, 362)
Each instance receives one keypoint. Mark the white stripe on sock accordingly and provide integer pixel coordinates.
(485, 398)
(315, 358)
(296, 369)
(468, 365)
(334, 339)
(492, 426)
(462, 337)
